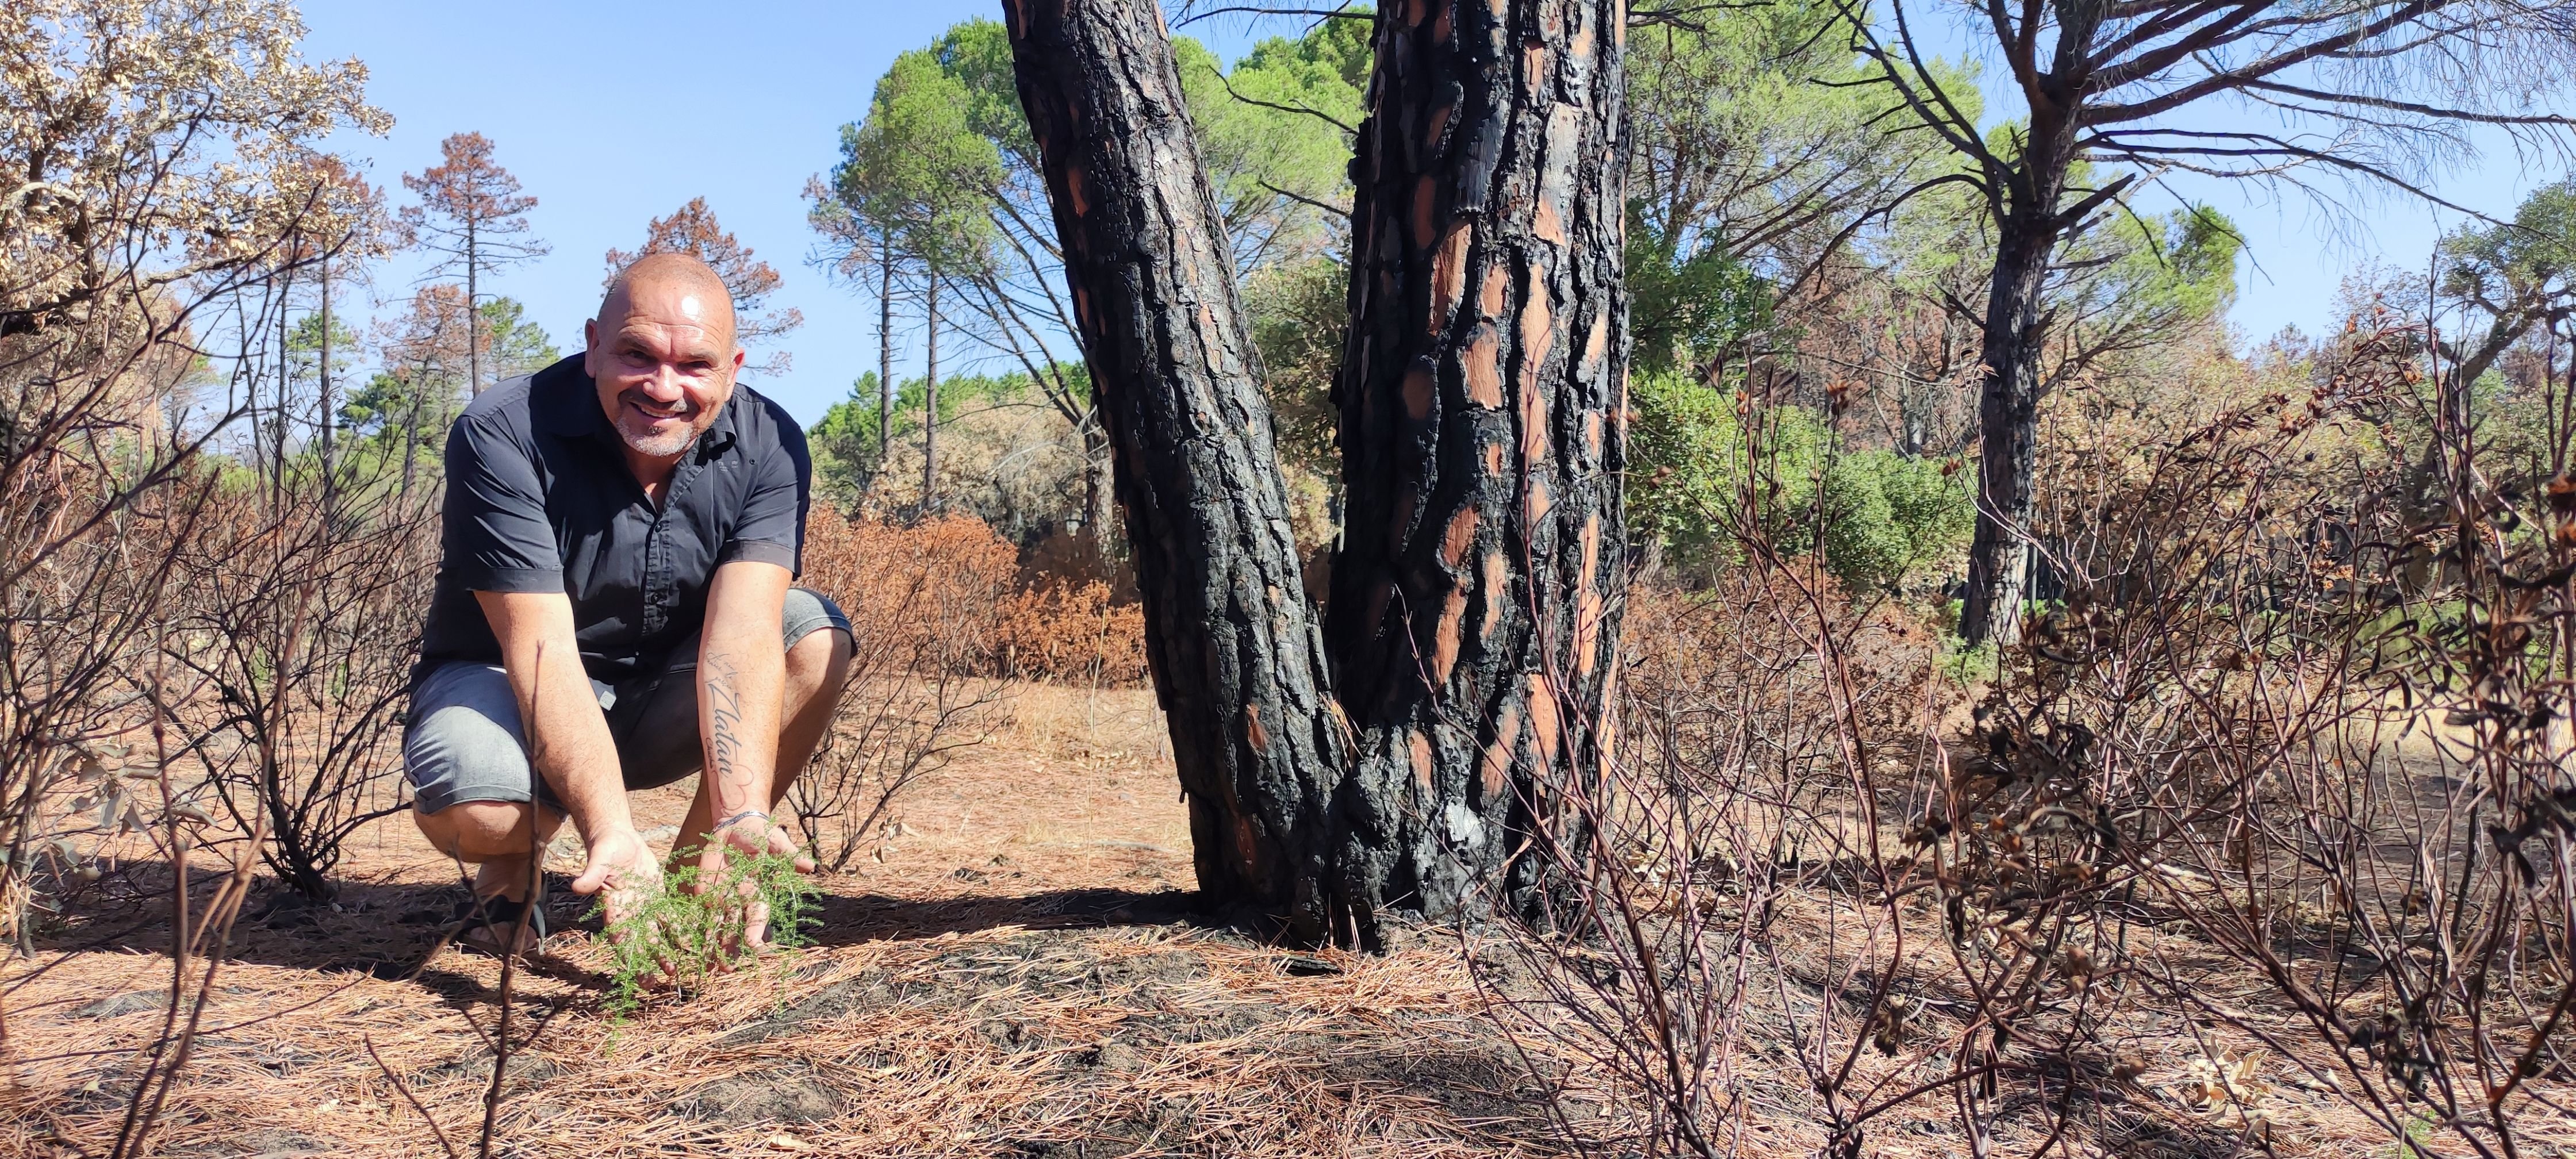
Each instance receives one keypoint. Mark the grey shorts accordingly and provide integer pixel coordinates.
(464, 742)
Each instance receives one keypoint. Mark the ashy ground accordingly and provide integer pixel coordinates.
(1015, 973)
(1019, 976)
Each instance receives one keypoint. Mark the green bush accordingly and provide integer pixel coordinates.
(1879, 518)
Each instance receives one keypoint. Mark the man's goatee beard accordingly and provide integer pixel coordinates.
(661, 446)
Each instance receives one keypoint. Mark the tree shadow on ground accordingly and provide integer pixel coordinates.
(388, 928)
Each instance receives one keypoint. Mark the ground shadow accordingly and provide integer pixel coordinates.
(389, 928)
(845, 919)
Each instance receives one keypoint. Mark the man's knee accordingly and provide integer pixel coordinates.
(819, 661)
(476, 830)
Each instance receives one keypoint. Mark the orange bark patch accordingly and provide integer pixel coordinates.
(1548, 227)
(1534, 432)
(1597, 342)
(1534, 65)
(1580, 48)
(1494, 459)
(1543, 723)
(1536, 504)
(1494, 767)
(1247, 848)
(1417, 393)
(1421, 751)
(1425, 192)
(1497, 584)
(1253, 734)
(1075, 191)
(1444, 635)
(1482, 360)
(1449, 267)
(1538, 337)
(1592, 434)
(1458, 536)
(1587, 632)
(1497, 284)
(1538, 334)
(1587, 609)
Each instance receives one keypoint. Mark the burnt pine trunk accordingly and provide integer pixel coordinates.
(930, 408)
(1475, 596)
(885, 353)
(1474, 612)
(1236, 652)
(1999, 555)
(2032, 215)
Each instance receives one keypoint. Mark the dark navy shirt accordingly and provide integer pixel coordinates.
(540, 499)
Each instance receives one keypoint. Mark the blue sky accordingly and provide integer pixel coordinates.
(612, 114)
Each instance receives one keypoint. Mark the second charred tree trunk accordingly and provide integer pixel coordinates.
(1474, 608)
(1999, 556)
(1236, 653)
(2028, 194)
(1474, 613)
(885, 354)
(930, 410)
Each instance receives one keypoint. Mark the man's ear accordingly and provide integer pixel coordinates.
(590, 346)
(738, 355)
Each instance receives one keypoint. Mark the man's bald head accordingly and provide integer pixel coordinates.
(672, 284)
(663, 356)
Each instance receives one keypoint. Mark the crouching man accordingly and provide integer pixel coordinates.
(613, 609)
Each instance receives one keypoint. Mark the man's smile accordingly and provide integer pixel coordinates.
(677, 410)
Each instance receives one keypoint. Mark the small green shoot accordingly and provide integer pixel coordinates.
(689, 935)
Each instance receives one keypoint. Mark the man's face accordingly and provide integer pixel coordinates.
(663, 359)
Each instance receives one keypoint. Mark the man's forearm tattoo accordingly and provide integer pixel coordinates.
(724, 721)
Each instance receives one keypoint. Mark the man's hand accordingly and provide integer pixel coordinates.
(623, 865)
(749, 833)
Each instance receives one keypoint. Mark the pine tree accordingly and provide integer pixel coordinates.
(693, 230)
(472, 214)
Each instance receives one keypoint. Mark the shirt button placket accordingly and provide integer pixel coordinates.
(653, 576)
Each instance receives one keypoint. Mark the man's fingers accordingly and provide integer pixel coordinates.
(780, 842)
(593, 875)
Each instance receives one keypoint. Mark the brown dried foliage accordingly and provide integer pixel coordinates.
(2263, 840)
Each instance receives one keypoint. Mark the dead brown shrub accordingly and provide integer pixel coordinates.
(1070, 634)
(2263, 839)
(951, 590)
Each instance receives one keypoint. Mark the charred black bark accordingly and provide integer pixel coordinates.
(1236, 652)
(1475, 598)
(2028, 195)
(1999, 555)
(1474, 601)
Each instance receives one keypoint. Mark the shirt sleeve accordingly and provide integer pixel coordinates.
(498, 536)
(772, 527)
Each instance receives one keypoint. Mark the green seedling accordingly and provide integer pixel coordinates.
(686, 935)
